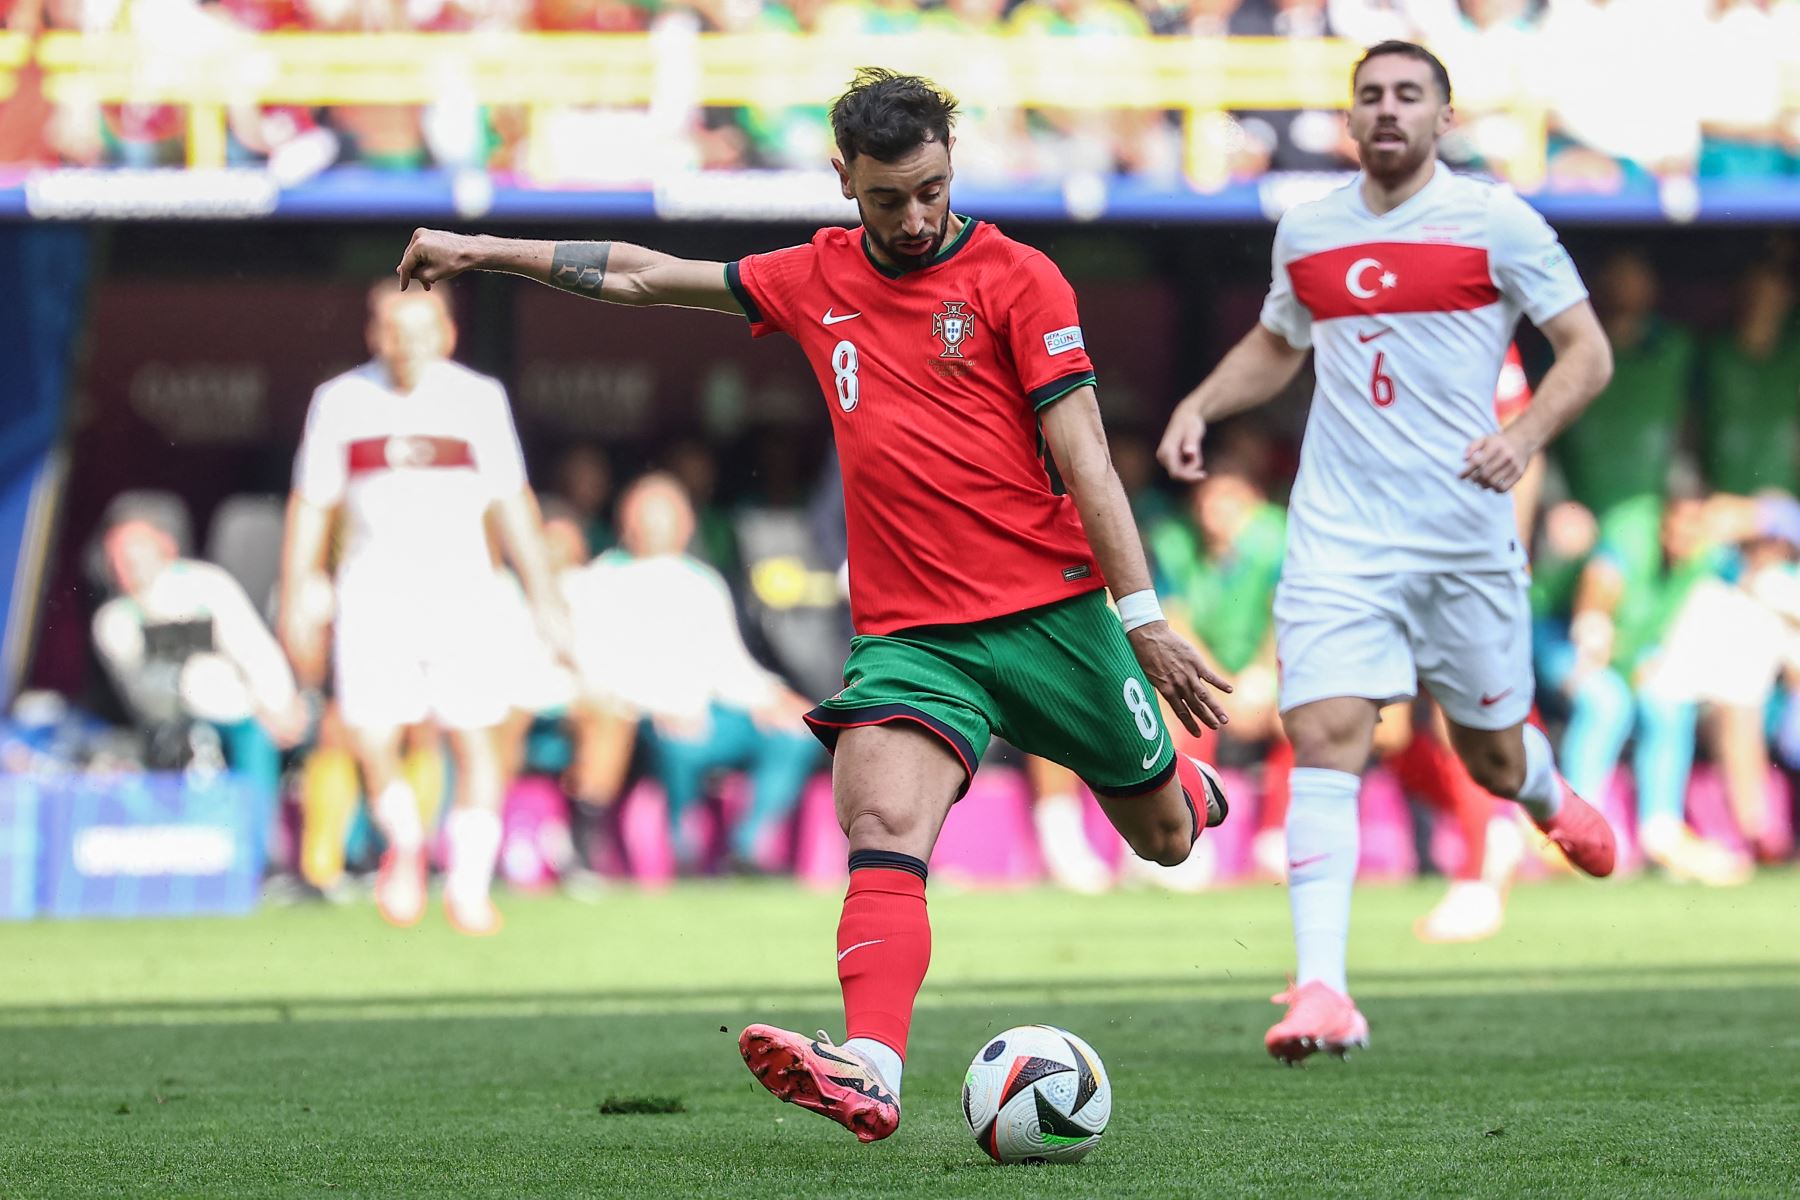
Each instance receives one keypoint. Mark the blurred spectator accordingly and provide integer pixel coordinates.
(658, 635)
(1608, 670)
(1747, 130)
(1732, 640)
(1617, 457)
(555, 728)
(1750, 390)
(582, 479)
(1219, 564)
(199, 672)
(1615, 114)
(1069, 141)
(1491, 48)
(696, 467)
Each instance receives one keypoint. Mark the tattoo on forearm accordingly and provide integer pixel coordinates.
(580, 267)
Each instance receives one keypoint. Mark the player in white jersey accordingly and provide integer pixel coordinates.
(415, 452)
(1403, 559)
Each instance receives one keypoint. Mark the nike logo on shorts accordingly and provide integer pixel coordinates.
(829, 319)
(858, 946)
(1150, 758)
(1489, 701)
(1366, 338)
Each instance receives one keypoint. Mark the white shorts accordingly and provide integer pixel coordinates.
(399, 660)
(1466, 636)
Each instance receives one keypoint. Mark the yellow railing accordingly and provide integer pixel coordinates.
(1200, 78)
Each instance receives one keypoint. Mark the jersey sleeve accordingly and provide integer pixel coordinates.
(1282, 312)
(1043, 330)
(497, 454)
(768, 286)
(322, 467)
(1528, 262)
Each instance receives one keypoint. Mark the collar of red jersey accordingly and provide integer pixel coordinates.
(944, 252)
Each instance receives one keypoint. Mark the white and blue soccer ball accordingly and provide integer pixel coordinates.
(1037, 1094)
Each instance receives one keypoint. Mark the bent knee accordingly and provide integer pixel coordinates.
(1500, 772)
(880, 825)
(1166, 843)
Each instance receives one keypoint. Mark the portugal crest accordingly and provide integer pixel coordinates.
(953, 327)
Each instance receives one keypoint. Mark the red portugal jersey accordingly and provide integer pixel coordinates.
(934, 379)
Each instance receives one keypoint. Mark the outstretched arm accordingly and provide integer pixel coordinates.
(617, 272)
(1076, 438)
(1258, 367)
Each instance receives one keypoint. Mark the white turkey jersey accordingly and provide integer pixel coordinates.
(415, 472)
(1409, 315)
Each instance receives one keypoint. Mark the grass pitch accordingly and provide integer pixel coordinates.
(1630, 1040)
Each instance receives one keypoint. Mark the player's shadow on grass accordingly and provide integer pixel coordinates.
(627, 1002)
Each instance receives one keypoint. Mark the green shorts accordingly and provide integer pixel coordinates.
(1058, 681)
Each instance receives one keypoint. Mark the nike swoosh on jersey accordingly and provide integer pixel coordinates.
(1487, 700)
(1366, 338)
(1151, 757)
(830, 319)
(858, 946)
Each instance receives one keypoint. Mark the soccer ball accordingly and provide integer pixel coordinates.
(1037, 1094)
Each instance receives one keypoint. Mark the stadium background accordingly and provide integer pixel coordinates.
(195, 197)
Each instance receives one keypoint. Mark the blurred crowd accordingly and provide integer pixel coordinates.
(1629, 89)
(1665, 535)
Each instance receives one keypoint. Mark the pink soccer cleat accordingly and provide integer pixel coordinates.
(1319, 1017)
(830, 1080)
(400, 888)
(1582, 834)
(473, 918)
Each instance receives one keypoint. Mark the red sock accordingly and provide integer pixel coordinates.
(1431, 771)
(884, 946)
(1276, 766)
(1193, 785)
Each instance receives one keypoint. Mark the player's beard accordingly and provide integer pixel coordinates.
(1396, 163)
(908, 262)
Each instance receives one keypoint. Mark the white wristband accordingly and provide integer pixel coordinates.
(1139, 608)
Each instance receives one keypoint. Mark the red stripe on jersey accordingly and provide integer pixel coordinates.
(1393, 277)
(393, 453)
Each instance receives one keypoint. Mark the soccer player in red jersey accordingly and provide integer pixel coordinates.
(952, 359)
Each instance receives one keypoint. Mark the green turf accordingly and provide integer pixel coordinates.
(1630, 1040)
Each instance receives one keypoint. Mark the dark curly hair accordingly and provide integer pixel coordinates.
(887, 115)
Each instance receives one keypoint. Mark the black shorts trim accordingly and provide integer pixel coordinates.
(1056, 389)
(826, 723)
(734, 279)
(1136, 789)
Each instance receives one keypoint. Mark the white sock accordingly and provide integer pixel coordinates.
(397, 812)
(885, 1058)
(1058, 818)
(1541, 794)
(1322, 850)
(474, 848)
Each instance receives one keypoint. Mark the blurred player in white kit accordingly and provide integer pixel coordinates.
(416, 452)
(1403, 559)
